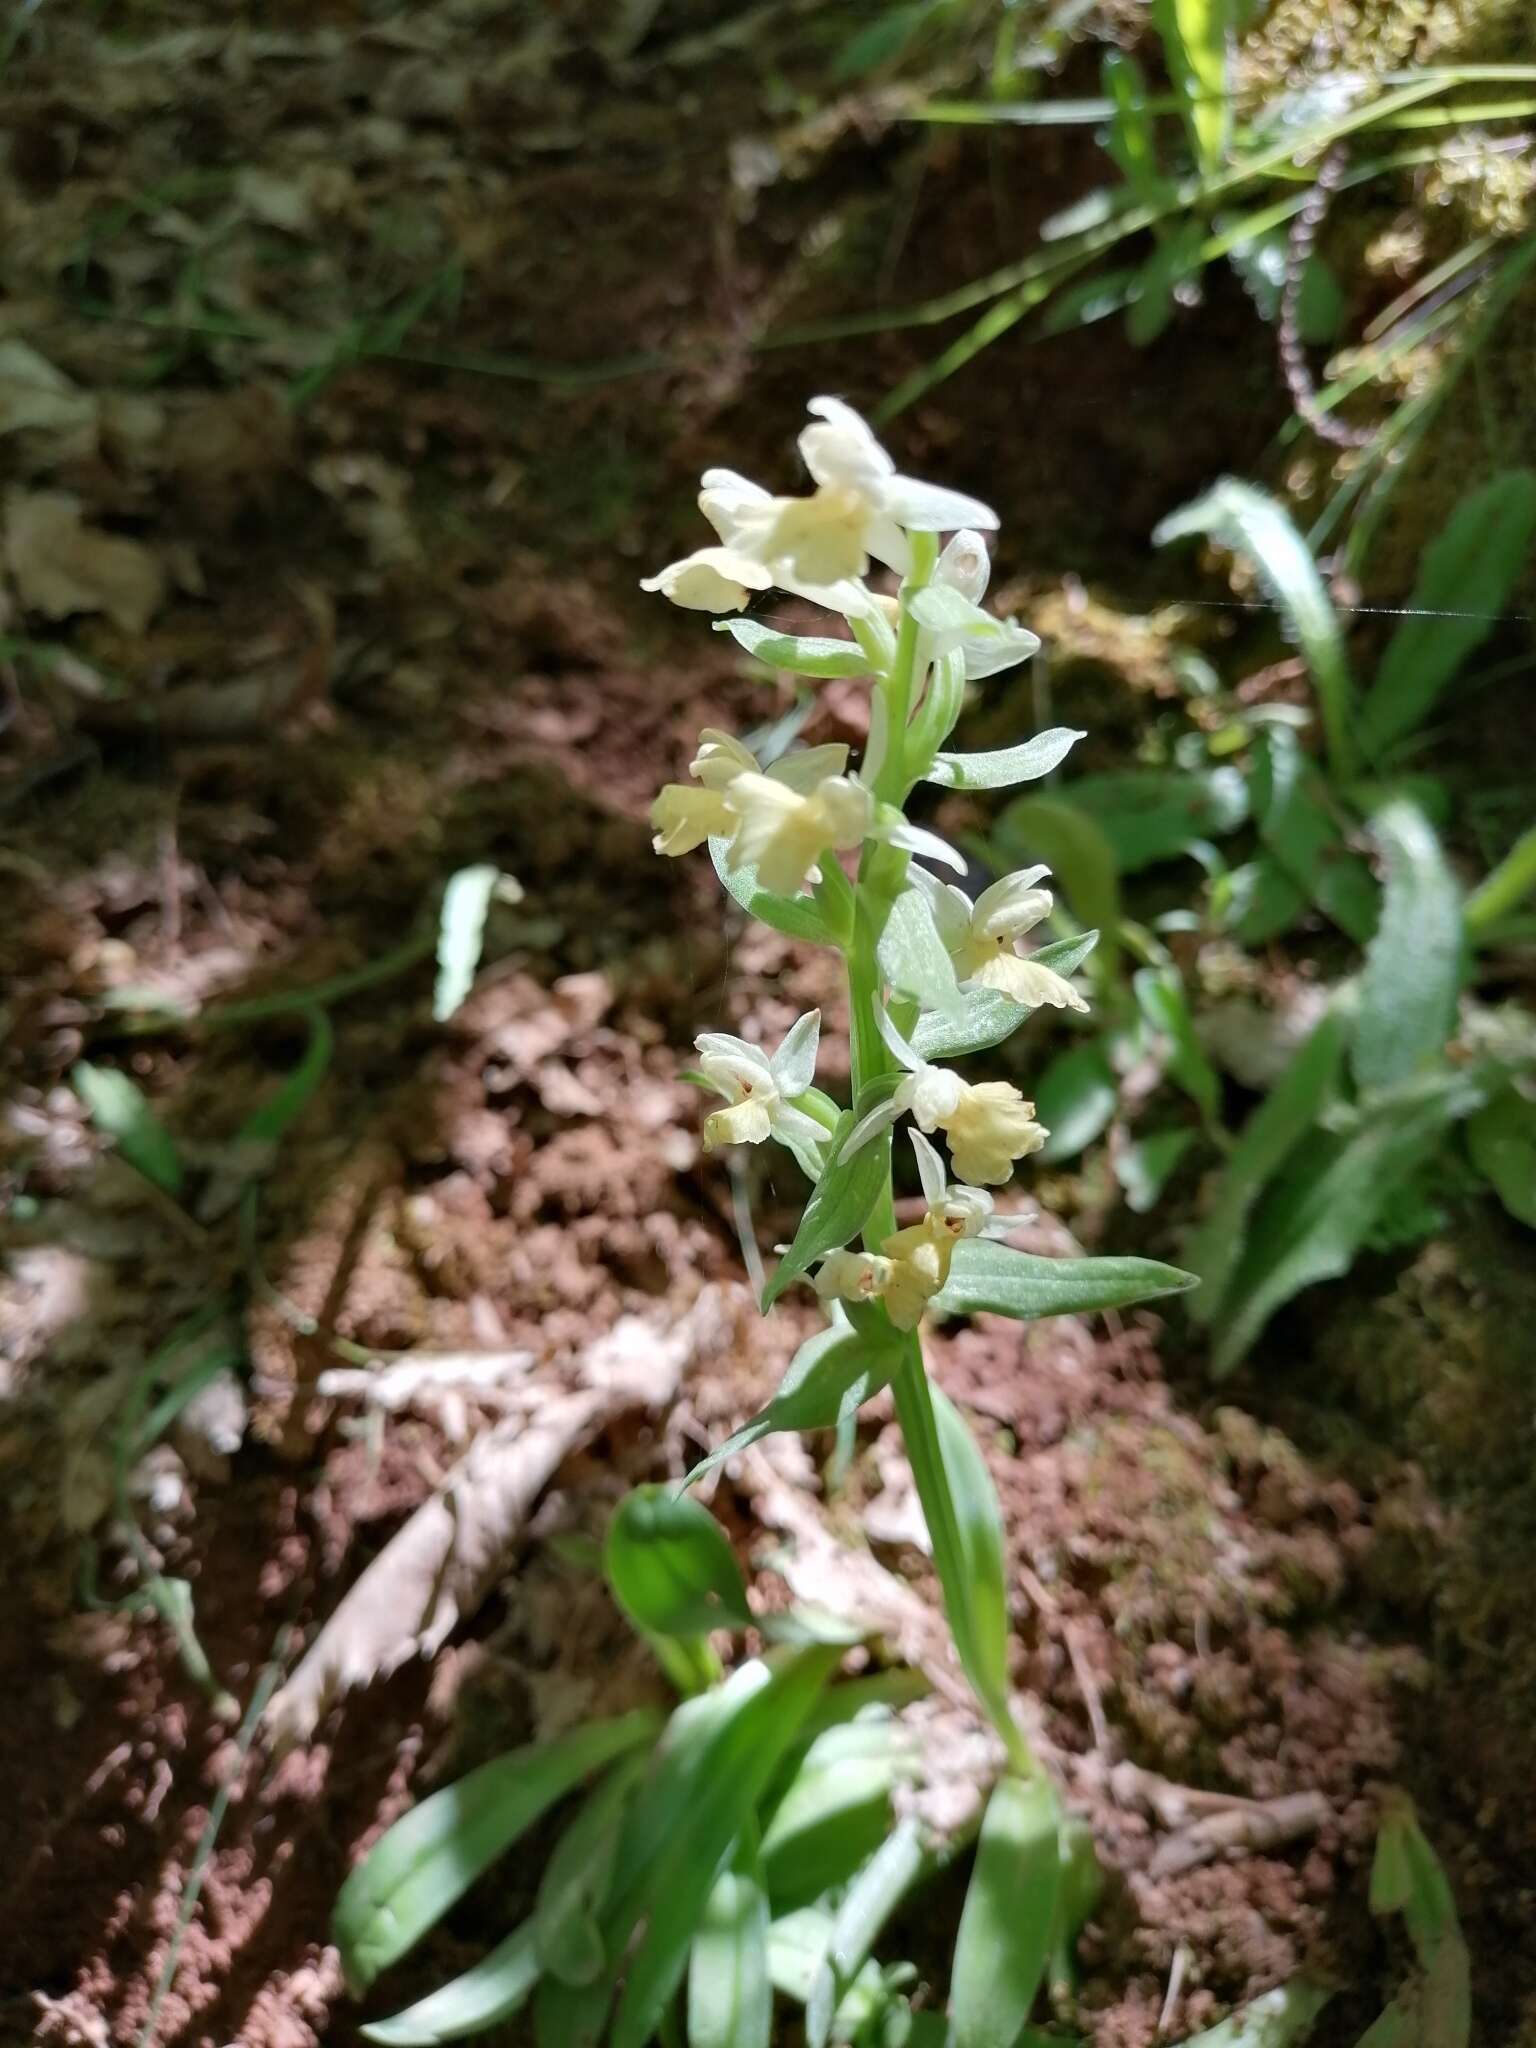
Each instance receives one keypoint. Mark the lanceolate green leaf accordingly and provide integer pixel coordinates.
(1008, 1917)
(429, 1858)
(896, 1866)
(1318, 1215)
(1284, 1120)
(266, 1125)
(684, 1822)
(994, 1279)
(839, 1205)
(979, 1566)
(796, 916)
(913, 957)
(498, 1986)
(571, 2015)
(1413, 965)
(1007, 765)
(1502, 1141)
(1280, 2019)
(1299, 827)
(574, 1886)
(1150, 815)
(801, 656)
(730, 1994)
(671, 1567)
(1465, 578)
(120, 1108)
(1131, 139)
(1075, 1099)
(1251, 523)
(835, 1811)
(832, 1375)
(1163, 1002)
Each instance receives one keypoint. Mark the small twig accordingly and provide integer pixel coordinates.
(1177, 1971)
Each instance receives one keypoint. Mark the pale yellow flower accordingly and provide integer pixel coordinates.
(710, 580)
(782, 832)
(981, 937)
(853, 1276)
(684, 818)
(989, 1128)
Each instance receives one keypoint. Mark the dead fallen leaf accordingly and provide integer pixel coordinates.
(60, 565)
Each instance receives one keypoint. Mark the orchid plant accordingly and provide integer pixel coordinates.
(825, 852)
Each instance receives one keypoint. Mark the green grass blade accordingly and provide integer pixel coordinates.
(498, 1986)
(977, 1561)
(1009, 1915)
(269, 1125)
(431, 1856)
(119, 1108)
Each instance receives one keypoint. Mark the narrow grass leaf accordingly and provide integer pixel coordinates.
(841, 1200)
(1008, 1916)
(461, 935)
(1005, 766)
(1465, 578)
(795, 916)
(914, 959)
(119, 1108)
(800, 655)
(1412, 974)
(498, 1987)
(1195, 36)
(671, 1567)
(267, 1126)
(428, 1859)
(730, 1994)
(899, 1863)
(682, 1833)
(993, 1279)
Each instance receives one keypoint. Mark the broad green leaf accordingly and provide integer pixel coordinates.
(797, 1948)
(1075, 1099)
(266, 1126)
(1314, 1220)
(1284, 1120)
(1247, 520)
(1195, 35)
(1150, 815)
(1280, 2019)
(987, 1278)
(1070, 842)
(119, 1108)
(986, 1016)
(914, 959)
(795, 916)
(685, 1820)
(1145, 1166)
(1131, 139)
(1008, 1916)
(571, 2015)
(670, 1566)
(979, 1567)
(572, 1891)
(461, 935)
(1502, 1141)
(431, 1856)
(730, 1994)
(498, 1986)
(899, 1863)
(801, 656)
(839, 1206)
(1298, 825)
(1163, 1001)
(1005, 766)
(1413, 965)
(831, 1376)
(1465, 578)
(835, 1810)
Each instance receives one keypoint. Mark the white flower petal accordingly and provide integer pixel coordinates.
(913, 839)
(931, 1170)
(805, 770)
(794, 1063)
(710, 580)
(1012, 906)
(843, 449)
(930, 508)
(965, 565)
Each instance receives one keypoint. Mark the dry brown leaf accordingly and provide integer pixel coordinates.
(438, 1568)
(60, 565)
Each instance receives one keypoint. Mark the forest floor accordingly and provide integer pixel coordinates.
(345, 616)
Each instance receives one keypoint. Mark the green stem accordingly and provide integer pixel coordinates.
(1510, 883)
